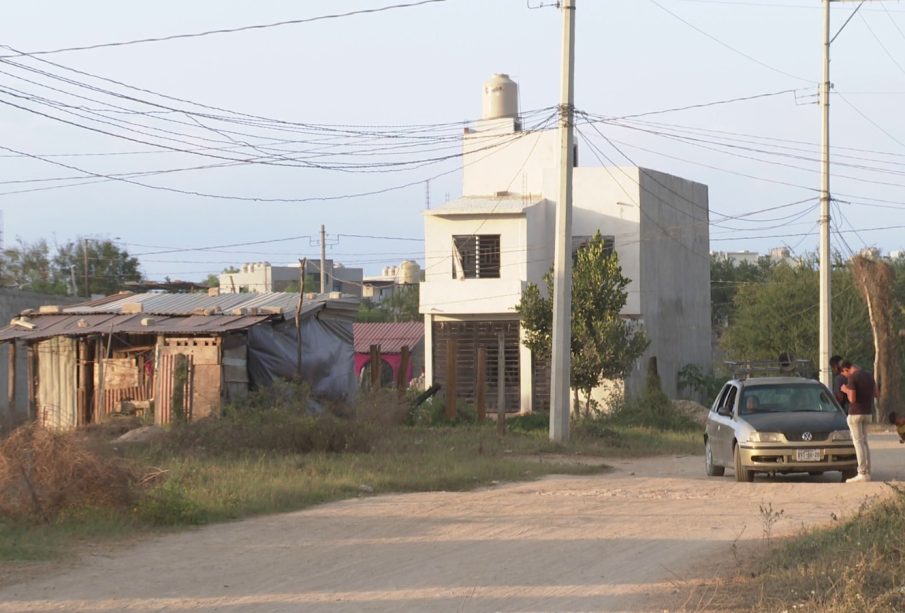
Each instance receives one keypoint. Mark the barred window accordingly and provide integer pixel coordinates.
(476, 256)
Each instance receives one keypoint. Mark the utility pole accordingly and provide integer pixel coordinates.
(560, 372)
(85, 265)
(826, 331)
(826, 318)
(323, 260)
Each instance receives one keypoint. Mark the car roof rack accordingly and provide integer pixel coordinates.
(745, 369)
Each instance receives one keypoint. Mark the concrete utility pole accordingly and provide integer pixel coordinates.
(826, 316)
(826, 330)
(560, 372)
(323, 260)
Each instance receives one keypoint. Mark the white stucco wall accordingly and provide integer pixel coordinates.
(659, 223)
(500, 161)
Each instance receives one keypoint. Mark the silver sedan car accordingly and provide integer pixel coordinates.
(777, 425)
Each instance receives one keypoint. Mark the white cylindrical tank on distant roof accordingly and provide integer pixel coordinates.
(409, 272)
(500, 97)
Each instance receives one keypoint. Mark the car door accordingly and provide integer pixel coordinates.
(715, 423)
(724, 427)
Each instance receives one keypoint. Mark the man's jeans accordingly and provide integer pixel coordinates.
(858, 425)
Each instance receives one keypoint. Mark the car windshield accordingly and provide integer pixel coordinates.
(786, 398)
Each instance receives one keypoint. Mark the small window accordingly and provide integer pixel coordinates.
(476, 256)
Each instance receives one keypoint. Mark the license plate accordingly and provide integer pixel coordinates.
(807, 455)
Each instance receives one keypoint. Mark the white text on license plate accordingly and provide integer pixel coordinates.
(807, 455)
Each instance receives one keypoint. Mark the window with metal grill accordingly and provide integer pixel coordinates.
(476, 256)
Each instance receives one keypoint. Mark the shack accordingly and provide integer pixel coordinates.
(178, 355)
(390, 338)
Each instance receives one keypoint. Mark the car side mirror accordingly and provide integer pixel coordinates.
(725, 410)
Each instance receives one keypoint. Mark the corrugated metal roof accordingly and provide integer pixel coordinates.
(47, 326)
(391, 337)
(187, 304)
(176, 314)
(486, 205)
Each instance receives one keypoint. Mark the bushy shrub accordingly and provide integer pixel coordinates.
(276, 430)
(529, 422)
(432, 412)
(43, 474)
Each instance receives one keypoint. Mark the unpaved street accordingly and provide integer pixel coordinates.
(622, 541)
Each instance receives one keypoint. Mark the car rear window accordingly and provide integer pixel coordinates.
(786, 398)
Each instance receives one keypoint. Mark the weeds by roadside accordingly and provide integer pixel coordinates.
(858, 565)
(271, 455)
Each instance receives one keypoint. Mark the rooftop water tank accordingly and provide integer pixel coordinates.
(500, 97)
(409, 272)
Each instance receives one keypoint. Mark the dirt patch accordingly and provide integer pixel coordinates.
(650, 535)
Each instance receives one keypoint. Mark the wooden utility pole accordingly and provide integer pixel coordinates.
(85, 265)
(480, 398)
(560, 371)
(303, 265)
(323, 259)
(452, 392)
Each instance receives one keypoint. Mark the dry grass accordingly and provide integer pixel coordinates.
(42, 473)
(854, 567)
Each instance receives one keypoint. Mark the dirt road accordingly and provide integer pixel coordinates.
(622, 541)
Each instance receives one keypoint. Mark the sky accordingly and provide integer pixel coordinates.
(353, 122)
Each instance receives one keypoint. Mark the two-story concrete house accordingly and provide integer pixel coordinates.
(482, 249)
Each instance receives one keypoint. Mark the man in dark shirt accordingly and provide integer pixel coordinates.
(838, 381)
(861, 390)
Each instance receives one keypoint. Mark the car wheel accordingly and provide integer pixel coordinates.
(712, 469)
(742, 473)
(848, 474)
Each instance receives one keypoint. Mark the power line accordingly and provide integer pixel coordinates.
(727, 45)
(232, 30)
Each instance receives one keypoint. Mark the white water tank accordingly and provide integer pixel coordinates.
(500, 97)
(409, 272)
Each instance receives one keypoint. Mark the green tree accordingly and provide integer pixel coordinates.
(604, 344)
(780, 315)
(402, 304)
(726, 276)
(371, 312)
(28, 266)
(107, 265)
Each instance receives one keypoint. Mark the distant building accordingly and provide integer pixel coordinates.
(263, 277)
(380, 287)
(737, 257)
(483, 249)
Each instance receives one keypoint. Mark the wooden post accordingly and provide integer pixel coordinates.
(375, 367)
(481, 384)
(11, 377)
(82, 403)
(303, 264)
(451, 391)
(402, 376)
(32, 376)
(501, 385)
(101, 404)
